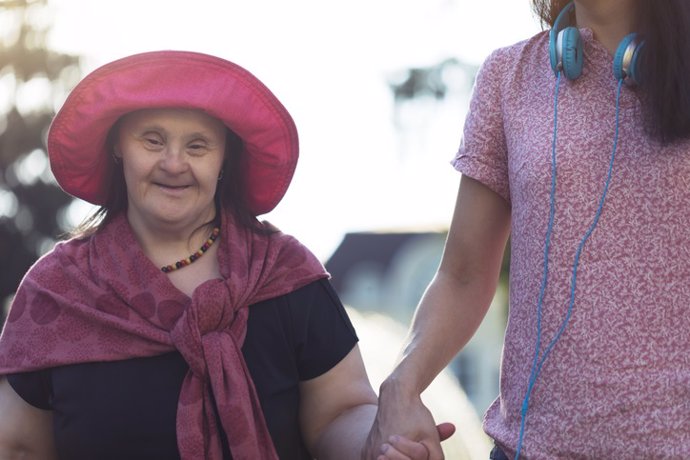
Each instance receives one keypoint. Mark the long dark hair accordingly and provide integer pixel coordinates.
(230, 193)
(664, 67)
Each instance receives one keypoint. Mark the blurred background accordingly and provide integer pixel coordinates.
(379, 91)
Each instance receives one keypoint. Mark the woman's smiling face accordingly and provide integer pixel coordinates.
(171, 160)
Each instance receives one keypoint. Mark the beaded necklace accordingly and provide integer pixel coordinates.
(192, 258)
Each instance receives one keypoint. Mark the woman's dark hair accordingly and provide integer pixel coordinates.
(664, 65)
(548, 10)
(230, 193)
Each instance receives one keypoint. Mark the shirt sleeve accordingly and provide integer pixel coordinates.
(33, 387)
(483, 153)
(324, 332)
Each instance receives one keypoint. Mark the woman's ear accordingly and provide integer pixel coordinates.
(116, 154)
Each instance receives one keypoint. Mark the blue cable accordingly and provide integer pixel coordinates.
(537, 363)
(542, 289)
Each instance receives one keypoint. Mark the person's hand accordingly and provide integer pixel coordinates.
(401, 448)
(404, 416)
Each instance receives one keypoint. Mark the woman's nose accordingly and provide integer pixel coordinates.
(174, 160)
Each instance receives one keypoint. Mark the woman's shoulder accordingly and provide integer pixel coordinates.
(71, 251)
(509, 57)
(304, 309)
(312, 294)
(56, 257)
(508, 69)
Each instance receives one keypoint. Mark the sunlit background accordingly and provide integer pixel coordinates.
(378, 89)
(365, 161)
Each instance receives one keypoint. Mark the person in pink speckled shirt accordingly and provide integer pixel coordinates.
(596, 202)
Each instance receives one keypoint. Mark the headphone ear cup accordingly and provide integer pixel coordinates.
(565, 45)
(634, 70)
(554, 52)
(625, 61)
(570, 44)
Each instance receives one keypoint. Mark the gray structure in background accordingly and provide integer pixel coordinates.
(387, 273)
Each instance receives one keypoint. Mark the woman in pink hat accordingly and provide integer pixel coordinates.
(175, 324)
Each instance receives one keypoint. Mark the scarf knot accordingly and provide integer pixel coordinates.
(205, 323)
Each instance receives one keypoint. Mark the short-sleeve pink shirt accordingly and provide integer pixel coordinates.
(617, 383)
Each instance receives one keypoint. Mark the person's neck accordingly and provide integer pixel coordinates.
(166, 243)
(610, 20)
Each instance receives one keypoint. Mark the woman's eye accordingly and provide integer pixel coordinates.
(197, 148)
(153, 141)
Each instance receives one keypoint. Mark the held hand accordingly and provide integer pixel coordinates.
(399, 447)
(411, 421)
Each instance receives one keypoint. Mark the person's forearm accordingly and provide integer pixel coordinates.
(344, 437)
(448, 315)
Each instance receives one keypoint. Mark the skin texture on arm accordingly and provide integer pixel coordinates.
(337, 410)
(25, 432)
(449, 313)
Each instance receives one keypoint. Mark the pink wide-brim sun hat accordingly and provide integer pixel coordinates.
(173, 79)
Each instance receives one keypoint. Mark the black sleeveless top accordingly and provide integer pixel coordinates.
(126, 409)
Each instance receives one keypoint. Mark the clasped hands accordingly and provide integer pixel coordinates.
(405, 431)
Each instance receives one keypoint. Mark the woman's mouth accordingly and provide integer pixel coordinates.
(172, 187)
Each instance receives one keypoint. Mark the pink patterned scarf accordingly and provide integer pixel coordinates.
(102, 299)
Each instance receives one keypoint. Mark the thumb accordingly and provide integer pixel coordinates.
(445, 430)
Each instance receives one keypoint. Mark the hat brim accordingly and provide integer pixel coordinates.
(173, 79)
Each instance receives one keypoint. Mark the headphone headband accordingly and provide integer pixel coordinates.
(566, 50)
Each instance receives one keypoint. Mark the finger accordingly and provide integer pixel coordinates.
(445, 430)
(434, 449)
(391, 453)
(414, 450)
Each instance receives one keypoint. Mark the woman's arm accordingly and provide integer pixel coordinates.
(449, 313)
(25, 431)
(337, 410)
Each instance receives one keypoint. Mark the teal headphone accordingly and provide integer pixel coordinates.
(565, 50)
